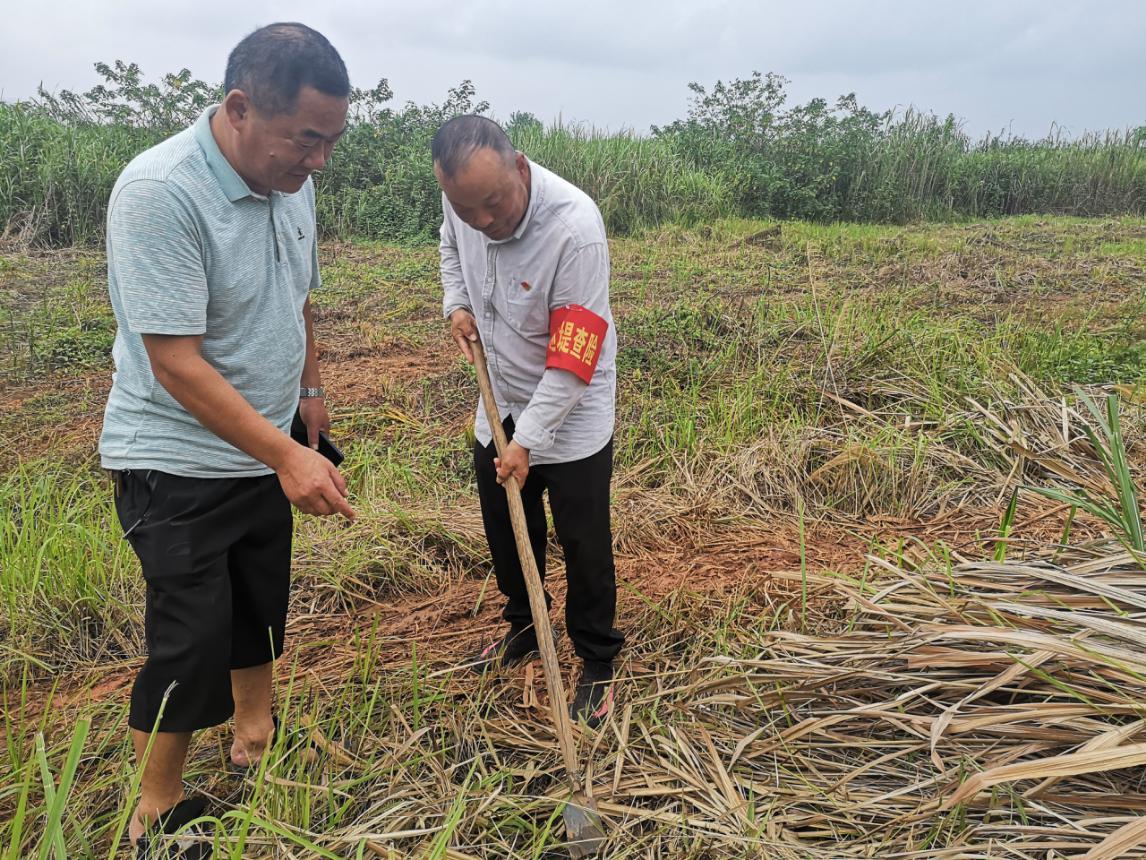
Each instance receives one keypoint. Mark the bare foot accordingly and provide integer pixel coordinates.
(140, 820)
(249, 744)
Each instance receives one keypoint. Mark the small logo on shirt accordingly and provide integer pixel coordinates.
(300, 234)
(525, 285)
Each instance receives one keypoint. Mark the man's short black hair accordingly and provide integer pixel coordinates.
(275, 62)
(462, 136)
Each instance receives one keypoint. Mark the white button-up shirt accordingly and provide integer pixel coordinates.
(558, 256)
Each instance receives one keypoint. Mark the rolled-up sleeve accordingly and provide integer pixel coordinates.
(582, 278)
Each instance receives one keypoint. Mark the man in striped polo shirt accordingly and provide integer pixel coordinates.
(212, 254)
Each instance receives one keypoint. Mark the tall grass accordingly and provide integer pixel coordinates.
(376, 191)
(924, 168)
(55, 178)
(747, 156)
(68, 585)
(636, 181)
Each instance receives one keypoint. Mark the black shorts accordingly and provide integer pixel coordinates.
(216, 556)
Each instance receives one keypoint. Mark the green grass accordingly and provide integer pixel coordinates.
(67, 581)
(51, 321)
(1133, 248)
(57, 168)
(771, 382)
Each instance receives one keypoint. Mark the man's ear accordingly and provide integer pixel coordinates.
(238, 108)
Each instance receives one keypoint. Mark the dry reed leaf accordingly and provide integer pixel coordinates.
(1117, 844)
(1070, 764)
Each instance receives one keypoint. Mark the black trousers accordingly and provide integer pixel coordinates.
(216, 556)
(579, 499)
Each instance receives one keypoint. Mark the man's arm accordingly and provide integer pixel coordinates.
(312, 409)
(158, 267)
(454, 293)
(455, 298)
(309, 480)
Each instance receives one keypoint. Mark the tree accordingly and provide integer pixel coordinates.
(124, 99)
(523, 120)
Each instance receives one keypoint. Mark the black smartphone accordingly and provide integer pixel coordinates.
(325, 447)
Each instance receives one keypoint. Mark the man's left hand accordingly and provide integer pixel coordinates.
(514, 461)
(315, 417)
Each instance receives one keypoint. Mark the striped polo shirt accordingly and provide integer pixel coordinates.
(191, 250)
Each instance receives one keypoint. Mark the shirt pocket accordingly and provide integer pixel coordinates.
(527, 304)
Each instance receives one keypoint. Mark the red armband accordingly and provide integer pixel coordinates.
(576, 336)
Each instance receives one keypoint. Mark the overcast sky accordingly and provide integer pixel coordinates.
(1017, 64)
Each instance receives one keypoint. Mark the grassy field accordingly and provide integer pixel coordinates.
(843, 639)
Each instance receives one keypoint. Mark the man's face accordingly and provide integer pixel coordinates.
(487, 193)
(280, 152)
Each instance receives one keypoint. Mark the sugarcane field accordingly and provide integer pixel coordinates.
(426, 479)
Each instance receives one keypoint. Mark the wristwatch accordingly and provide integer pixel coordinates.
(303, 391)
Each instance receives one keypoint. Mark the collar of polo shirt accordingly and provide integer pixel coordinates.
(228, 178)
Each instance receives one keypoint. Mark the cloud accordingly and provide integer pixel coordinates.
(627, 64)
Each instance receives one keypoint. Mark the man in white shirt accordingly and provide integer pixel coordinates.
(525, 262)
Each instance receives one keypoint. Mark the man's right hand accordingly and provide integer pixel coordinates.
(463, 329)
(313, 484)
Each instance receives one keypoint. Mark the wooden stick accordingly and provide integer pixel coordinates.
(532, 581)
